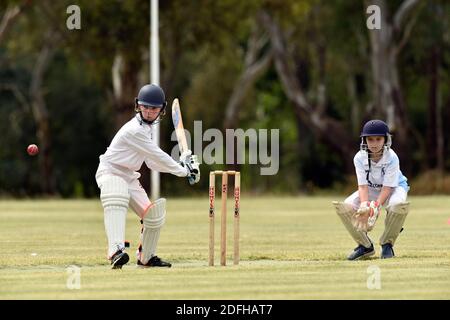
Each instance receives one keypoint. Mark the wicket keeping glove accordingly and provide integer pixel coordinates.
(375, 209)
(366, 216)
(361, 216)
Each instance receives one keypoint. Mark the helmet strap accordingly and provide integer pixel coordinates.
(156, 121)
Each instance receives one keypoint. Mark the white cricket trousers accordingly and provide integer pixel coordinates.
(398, 195)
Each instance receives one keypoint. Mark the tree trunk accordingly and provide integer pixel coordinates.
(255, 65)
(355, 114)
(41, 114)
(435, 134)
(432, 112)
(440, 136)
(327, 129)
(10, 15)
(125, 74)
(388, 97)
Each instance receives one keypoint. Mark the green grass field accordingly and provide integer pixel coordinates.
(291, 248)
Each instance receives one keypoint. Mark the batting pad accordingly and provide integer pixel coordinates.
(153, 221)
(115, 197)
(346, 212)
(395, 218)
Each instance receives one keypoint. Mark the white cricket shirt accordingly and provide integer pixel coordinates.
(130, 148)
(385, 172)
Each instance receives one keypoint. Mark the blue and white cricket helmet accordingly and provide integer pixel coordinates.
(375, 128)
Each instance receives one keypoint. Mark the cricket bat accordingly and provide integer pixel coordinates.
(178, 124)
(179, 130)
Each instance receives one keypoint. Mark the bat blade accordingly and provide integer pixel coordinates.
(178, 125)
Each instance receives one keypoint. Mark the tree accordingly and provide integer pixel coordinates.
(40, 110)
(314, 116)
(435, 62)
(386, 46)
(12, 12)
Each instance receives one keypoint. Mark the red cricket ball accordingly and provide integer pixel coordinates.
(33, 150)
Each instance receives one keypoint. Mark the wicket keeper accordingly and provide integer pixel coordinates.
(380, 183)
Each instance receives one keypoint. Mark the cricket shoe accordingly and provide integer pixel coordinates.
(361, 252)
(387, 251)
(119, 259)
(154, 261)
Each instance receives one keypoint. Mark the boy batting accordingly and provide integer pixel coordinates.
(117, 178)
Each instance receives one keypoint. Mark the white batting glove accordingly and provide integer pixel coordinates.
(194, 170)
(190, 162)
(185, 155)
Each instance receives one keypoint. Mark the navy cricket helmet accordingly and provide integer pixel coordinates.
(375, 128)
(151, 95)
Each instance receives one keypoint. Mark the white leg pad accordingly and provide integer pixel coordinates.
(115, 197)
(395, 218)
(153, 221)
(346, 212)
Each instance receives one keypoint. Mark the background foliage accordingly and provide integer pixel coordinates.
(70, 90)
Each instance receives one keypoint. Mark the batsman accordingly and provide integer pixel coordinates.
(380, 183)
(117, 178)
